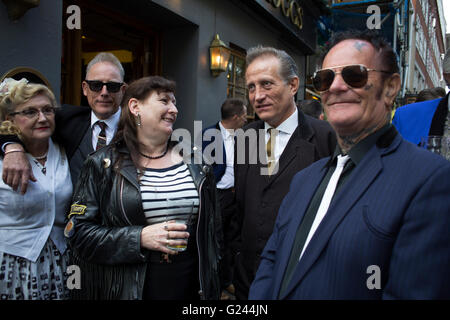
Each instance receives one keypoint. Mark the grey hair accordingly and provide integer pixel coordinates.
(446, 63)
(288, 68)
(106, 57)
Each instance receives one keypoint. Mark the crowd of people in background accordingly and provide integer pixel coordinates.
(339, 188)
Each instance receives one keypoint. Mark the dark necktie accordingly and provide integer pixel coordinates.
(309, 224)
(101, 138)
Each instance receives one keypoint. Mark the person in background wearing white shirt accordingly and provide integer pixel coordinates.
(33, 256)
(233, 117)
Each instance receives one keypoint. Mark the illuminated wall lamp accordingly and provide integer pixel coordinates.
(219, 54)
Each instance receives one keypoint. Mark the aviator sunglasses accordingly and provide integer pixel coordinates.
(354, 75)
(96, 85)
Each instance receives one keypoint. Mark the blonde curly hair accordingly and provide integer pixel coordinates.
(7, 127)
(14, 93)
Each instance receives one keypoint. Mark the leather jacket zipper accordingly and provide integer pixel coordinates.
(202, 294)
(121, 201)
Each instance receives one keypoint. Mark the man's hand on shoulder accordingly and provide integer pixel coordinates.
(16, 168)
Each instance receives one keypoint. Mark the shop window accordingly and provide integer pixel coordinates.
(236, 87)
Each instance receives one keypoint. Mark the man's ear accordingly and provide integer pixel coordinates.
(84, 86)
(391, 88)
(123, 88)
(293, 84)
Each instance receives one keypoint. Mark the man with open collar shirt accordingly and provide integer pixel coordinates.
(78, 129)
(372, 221)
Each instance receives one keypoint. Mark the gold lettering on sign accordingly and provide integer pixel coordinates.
(290, 9)
(285, 8)
(297, 15)
(300, 17)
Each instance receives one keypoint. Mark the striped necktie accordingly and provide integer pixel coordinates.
(101, 138)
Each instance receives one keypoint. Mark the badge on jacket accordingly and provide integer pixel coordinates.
(69, 229)
(77, 209)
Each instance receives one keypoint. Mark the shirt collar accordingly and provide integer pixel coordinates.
(111, 122)
(287, 126)
(225, 133)
(358, 152)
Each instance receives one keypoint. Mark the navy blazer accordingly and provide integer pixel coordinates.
(218, 168)
(393, 212)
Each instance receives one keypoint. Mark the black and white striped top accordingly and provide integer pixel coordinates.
(168, 194)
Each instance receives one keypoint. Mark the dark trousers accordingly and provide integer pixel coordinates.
(228, 209)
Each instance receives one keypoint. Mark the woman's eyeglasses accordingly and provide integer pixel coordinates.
(96, 85)
(33, 112)
(354, 75)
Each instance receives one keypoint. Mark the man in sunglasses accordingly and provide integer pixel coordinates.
(80, 130)
(373, 220)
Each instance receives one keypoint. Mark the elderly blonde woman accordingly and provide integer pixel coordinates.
(33, 256)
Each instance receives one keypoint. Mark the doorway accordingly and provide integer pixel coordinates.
(106, 28)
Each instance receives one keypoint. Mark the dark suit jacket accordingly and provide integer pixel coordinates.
(72, 122)
(74, 134)
(393, 212)
(259, 196)
(218, 168)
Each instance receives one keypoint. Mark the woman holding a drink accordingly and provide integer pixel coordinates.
(144, 221)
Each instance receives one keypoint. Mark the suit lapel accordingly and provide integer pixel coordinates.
(298, 148)
(299, 207)
(362, 176)
(85, 147)
(72, 132)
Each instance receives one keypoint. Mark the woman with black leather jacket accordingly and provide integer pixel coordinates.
(126, 226)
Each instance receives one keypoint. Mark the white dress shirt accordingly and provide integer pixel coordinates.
(111, 128)
(227, 180)
(286, 129)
